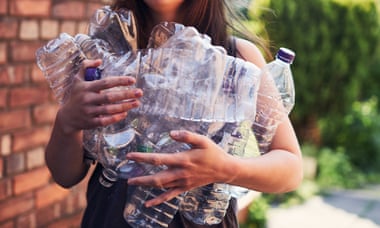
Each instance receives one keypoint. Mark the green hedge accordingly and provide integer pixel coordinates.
(335, 42)
(336, 71)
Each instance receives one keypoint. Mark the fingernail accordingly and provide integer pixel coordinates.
(174, 133)
(131, 80)
(138, 93)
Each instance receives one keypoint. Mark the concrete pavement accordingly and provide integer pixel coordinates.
(338, 209)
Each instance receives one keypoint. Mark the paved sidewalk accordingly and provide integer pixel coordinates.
(339, 209)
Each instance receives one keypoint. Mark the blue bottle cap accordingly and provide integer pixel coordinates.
(286, 55)
(92, 73)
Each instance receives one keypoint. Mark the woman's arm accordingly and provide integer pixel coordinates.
(88, 106)
(283, 163)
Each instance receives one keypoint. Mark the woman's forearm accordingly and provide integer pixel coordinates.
(275, 172)
(64, 156)
(279, 170)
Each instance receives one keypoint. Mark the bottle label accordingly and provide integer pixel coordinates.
(144, 148)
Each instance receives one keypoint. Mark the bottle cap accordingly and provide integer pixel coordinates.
(108, 177)
(286, 55)
(92, 74)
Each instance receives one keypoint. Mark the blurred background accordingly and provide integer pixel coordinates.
(336, 116)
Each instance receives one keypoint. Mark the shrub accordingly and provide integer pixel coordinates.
(335, 170)
(359, 133)
(336, 42)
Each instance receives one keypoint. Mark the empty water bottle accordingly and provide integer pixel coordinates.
(117, 28)
(139, 216)
(59, 60)
(281, 72)
(275, 98)
(226, 93)
(207, 204)
(231, 98)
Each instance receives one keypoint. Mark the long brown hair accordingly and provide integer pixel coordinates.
(208, 16)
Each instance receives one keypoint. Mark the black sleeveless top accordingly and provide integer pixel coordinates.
(105, 206)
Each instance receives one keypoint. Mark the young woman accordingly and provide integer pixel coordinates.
(278, 171)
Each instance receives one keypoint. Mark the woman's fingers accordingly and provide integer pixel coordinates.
(112, 109)
(158, 159)
(117, 95)
(166, 196)
(196, 140)
(164, 179)
(111, 82)
(107, 120)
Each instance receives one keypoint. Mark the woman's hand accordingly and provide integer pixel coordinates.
(205, 163)
(92, 103)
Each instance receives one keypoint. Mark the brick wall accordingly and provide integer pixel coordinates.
(28, 195)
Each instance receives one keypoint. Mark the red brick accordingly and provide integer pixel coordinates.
(72, 221)
(3, 52)
(3, 6)
(21, 97)
(31, 180)
(49, 29)
(8, 224)
(49, 195)
(69, 10)
(76, 201)
(8, 27)
(6, 142)
(14, 163)
(30, 138)
(28, 220)
(15, 206)
(91, 8)
(35, 158)
(14, 120)
(22, 51)
(48, 214)
(30, 7)
(14, 74)
(1, 171)
(5, 189)
(44, 113)
(3, 98)
(68, 27)
(29, 29)
(82, 27)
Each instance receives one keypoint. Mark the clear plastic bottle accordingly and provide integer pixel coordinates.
(139, 216)
(59, 60)
(117, 28)
(224, 95)
(206, 205)
(170, 101)
(230, 94)
(282, 74)
(275, 98)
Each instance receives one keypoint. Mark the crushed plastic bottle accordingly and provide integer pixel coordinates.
(223, 96)
(60, 60)
(275, 98)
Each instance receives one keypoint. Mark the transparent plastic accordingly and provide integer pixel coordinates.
(275, 98)
(283, 77)
(226, 94)
(59, 60)
(207, 204)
